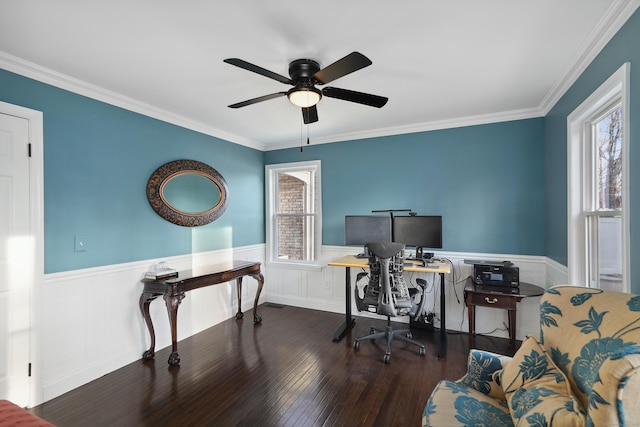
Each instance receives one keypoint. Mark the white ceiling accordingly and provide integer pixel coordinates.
(441, 63)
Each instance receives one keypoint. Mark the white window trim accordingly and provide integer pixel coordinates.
(271, 251)
(578, 127)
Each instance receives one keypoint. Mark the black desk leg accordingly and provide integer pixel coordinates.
(349, 321)
(442, 344)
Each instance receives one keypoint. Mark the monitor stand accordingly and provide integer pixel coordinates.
(364, 254)
(421, 254)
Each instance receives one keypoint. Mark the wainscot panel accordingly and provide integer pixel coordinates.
(91, 322)
(326, 290)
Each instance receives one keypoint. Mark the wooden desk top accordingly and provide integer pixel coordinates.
(353, 261)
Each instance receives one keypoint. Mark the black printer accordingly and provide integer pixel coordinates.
(501, 273)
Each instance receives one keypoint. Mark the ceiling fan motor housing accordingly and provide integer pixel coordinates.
(303, 69)
(304, 93)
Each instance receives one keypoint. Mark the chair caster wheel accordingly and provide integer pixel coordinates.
(356, 344)
(409, 335)
(422, 352)
(387, 359)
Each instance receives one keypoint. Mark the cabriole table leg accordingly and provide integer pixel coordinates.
(239, 314)
(260, 279)
(145, 300)
(173, 302)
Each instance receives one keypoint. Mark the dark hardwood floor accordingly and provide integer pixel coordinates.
(285, 372)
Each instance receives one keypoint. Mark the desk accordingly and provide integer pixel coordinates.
(350, 261)
(496, 297)
(173, 291)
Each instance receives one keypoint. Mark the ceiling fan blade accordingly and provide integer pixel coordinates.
(347, 65)
(258, 99)
(310, 115)
(353, 96)
(259, 70)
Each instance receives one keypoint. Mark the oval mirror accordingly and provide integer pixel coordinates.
(187, 193)
(190, 193)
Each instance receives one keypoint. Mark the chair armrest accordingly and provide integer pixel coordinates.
(613, 398)
(483, 369)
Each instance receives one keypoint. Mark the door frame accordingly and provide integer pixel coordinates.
(36, 226)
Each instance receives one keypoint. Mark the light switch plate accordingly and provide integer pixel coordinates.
(81, 244)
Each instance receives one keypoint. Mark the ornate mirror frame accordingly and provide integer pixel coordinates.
(170, 170)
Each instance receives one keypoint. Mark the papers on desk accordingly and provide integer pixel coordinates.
(161, 273)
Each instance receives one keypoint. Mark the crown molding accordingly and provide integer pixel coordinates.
(45, 75)
(458, 122)
(617, 14)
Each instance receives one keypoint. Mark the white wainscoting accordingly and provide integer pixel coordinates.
(557, 274)
(325, 290)
(90, 322)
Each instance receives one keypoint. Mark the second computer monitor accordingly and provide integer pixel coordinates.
(423, 231)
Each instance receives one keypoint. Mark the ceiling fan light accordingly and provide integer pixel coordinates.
(304, 97)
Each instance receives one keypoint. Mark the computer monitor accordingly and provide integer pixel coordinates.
(418, 231)
(362, 229)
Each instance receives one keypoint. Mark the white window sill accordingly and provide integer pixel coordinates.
(295, 266)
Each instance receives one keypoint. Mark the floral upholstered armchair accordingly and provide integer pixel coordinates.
(583, 371)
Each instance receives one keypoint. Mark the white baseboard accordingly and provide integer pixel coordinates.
(91, 324)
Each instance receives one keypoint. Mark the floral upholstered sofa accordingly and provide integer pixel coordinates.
(584, 370)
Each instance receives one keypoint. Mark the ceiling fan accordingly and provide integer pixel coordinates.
(305, 75)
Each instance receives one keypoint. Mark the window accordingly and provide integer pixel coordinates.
(294, 213)
(598, 187)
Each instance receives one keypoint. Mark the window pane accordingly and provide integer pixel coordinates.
(295, 237)
(605, 239)
(294, 189)
(609, 162)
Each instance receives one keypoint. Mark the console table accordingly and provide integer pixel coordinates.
(173, 291)
(506, 298)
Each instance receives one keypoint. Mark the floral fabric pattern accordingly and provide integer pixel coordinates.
(538, 391)
(604, 331)
(584, 370)
(453, 404)
(473, 412)
(482, 367)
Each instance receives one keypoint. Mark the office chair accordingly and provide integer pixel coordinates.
(388, 294)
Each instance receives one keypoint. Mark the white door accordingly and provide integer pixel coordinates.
(16, 259)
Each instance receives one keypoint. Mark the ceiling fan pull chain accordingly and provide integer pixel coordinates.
(301, 137)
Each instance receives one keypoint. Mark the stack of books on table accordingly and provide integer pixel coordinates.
(161, 273)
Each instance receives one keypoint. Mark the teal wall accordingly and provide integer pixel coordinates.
(486, 181)
(98, 159)
(622, 48)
